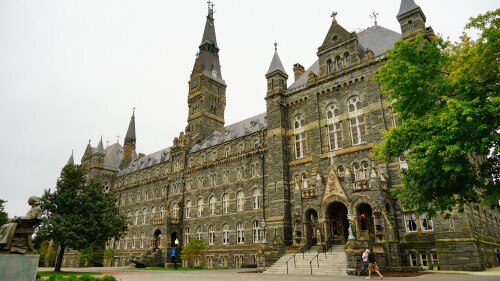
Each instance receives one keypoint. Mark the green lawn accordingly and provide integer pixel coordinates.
(66, 275)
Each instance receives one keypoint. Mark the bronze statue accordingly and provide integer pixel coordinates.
(15, 235)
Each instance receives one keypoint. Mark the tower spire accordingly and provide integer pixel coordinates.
(129, 143)
(276, 64)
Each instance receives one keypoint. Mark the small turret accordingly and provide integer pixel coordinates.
(411, 18)
(276, 75)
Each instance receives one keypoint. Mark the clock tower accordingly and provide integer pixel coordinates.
(207, 89)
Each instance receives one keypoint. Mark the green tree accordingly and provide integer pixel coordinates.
(194, 248)
(447, 100)
(3, 214)
(79, 214)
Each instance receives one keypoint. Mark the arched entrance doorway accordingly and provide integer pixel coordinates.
(312, 225)
(338, 225)
(156, 239)
(365, 225)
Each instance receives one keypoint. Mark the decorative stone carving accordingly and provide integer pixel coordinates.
(15, 235)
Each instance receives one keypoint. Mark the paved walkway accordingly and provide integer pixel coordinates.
(127, 274)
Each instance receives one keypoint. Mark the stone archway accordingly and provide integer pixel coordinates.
(337, 223)
(156, 239)
(311, 226)
(364, 222)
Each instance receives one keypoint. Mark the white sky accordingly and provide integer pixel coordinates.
(71, 71)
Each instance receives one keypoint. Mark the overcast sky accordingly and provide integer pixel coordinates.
(71, 71)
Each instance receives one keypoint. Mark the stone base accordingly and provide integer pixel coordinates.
(18, 267)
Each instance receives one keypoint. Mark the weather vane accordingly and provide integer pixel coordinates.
(118, 138)
(374, 16)
(275, 46)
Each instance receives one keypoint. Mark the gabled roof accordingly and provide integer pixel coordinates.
(378, 39)
(237, 130)
(314, 68)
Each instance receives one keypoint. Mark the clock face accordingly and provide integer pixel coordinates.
(214, 73)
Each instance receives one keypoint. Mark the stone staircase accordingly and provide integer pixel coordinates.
(333, 263)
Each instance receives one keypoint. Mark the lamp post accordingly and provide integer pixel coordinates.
(263, 223)
(176, 252)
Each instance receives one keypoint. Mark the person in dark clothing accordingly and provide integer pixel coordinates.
(372, 266)
(364, 258)
(497, 253)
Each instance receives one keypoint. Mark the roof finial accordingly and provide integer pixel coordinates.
(133, 112)
(107, 143)
(118, 138)
(374, 16)
(333, 15)
(275, 46)
(210, 6)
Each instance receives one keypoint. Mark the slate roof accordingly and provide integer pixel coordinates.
(146, 161)
(376, 38)
(407, 6)
(276, 64)
(237, 130)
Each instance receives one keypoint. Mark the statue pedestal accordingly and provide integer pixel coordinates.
(18, 267)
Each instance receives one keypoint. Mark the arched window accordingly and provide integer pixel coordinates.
(365, 167)
(225, 234)
(142, 240)
(202, 159)
(136, 220)
(256, 198)
(201, 182)
(188, 209)
(256, 144)
(153, 212)
(162, 211)
(256, 232)
(347, 59)
(175, 210)
(357, 121)
(225, 203)
(189, 185)
(212, 201)
(211, 235)
(334, 127)
(299, 135)
(144, 214)
(212, 180)
(338, 61)
(225, 176)
(127, 238)
(134, 237)
(199, 235)
(240, 201)
(214, 155)
(187, 235)
(329, 66)
(130, 218)
(240, 233)
(200, 207)
(226, 152)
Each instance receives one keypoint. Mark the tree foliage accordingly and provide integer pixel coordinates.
(194, 248)
(79, 214)
(3, 214)
(447, 100)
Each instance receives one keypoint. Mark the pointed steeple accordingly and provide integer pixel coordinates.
(412, 19)
(129, 143)
(100, 147)
(209, 51)
(276, 64)
(408, 6)
(71, 160)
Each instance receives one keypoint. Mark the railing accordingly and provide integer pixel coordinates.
(310, 262)
(288, 261)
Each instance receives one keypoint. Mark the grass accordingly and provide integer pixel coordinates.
(63, 275)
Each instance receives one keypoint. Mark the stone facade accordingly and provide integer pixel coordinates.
(301, 173)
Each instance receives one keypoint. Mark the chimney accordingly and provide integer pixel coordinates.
(298, 70)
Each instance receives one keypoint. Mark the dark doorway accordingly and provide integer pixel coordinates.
(312, 225)
(336, 215)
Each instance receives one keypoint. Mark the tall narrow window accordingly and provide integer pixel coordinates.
(175, 210)
(188, 209)
(199, 235)
(226, 152)
(338, 60)
(134, 237)
(411, 222)
(225, 203)
(141, 245)
(225, 234)
(240, 201)
(187, 235)
(334, 127)
(212, 205)
(256, 232)
(426, 222)
(329, 66)
(136, 221)
(299, 135)
(211, 235)
(303, 178)
(240, 233)
(200, 207)
(256, 198)
(144, 215)
(347, 59)
(357, 121)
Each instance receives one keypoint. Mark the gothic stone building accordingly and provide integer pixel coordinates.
(296, 174)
